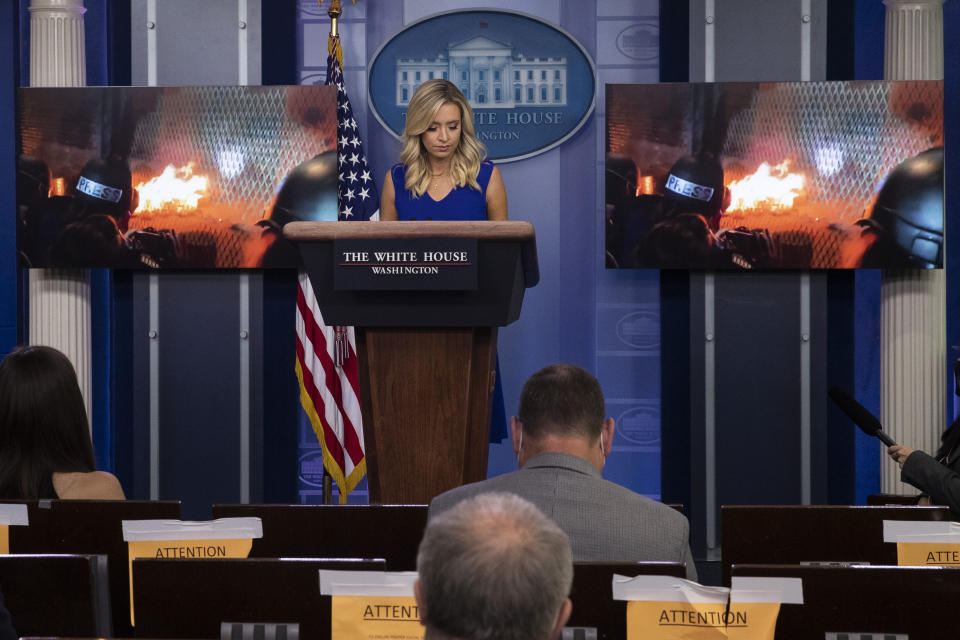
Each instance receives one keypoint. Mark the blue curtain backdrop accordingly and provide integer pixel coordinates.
(9, 280)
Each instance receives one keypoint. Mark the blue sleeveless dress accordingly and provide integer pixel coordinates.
(462, 203)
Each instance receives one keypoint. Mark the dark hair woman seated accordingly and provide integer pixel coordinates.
(45, 448)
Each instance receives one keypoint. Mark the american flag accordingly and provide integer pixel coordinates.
(326, 364)
(357, 190)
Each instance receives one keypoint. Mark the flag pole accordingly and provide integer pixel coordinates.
(326, 491)
(340, 348)
(340, 422)
(334, 12)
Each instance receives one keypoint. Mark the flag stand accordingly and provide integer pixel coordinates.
(327, 496)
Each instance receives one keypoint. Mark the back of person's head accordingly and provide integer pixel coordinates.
(493, 567)
(43, 422)
(562, 400)
(309, 192)
(907, 216)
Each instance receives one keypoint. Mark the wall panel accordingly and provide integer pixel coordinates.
(9, 274)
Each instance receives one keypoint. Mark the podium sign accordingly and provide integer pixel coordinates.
(447, 264)
(427, 353)
(506, 264)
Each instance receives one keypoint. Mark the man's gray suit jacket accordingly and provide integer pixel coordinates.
(604, 521)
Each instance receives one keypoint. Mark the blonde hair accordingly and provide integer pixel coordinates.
(470, 152)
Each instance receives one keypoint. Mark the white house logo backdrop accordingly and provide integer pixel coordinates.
(531, 85)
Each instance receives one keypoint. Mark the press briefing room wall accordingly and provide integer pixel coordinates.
(198, 440)
(763, 348)
(8, 203)
(205, 401)
(757, 342)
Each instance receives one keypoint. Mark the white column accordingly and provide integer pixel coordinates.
(60, 318)
(913, 47)
(60, 299)
(914, 345)
(57, 54)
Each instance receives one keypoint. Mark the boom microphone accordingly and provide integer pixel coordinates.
(867, 422)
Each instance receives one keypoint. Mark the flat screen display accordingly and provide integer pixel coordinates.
(172, 177)
(786, 175)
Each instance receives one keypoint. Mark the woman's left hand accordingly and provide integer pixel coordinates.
(899, 453)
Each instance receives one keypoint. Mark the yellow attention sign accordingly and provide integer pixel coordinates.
(934, 554)
(375, 618)
(11, 514)
(185, 549)
(762, 617)
(701, 620)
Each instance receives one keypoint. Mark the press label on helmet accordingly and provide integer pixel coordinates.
(689, 189)
(97, 190)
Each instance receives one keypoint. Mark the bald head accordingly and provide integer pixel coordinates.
(494, 567)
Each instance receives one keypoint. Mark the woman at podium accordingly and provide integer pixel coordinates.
(442, 173)
(45, 449)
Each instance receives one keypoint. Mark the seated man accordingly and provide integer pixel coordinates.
(493, 566)
(562, 440)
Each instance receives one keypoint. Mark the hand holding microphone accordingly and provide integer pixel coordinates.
(899, 453)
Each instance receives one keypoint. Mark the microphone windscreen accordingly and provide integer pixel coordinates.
(867, 422)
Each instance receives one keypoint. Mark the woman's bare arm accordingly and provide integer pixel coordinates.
(496, 197)
(388, 206)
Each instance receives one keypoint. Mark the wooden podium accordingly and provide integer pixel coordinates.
(427, 355)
